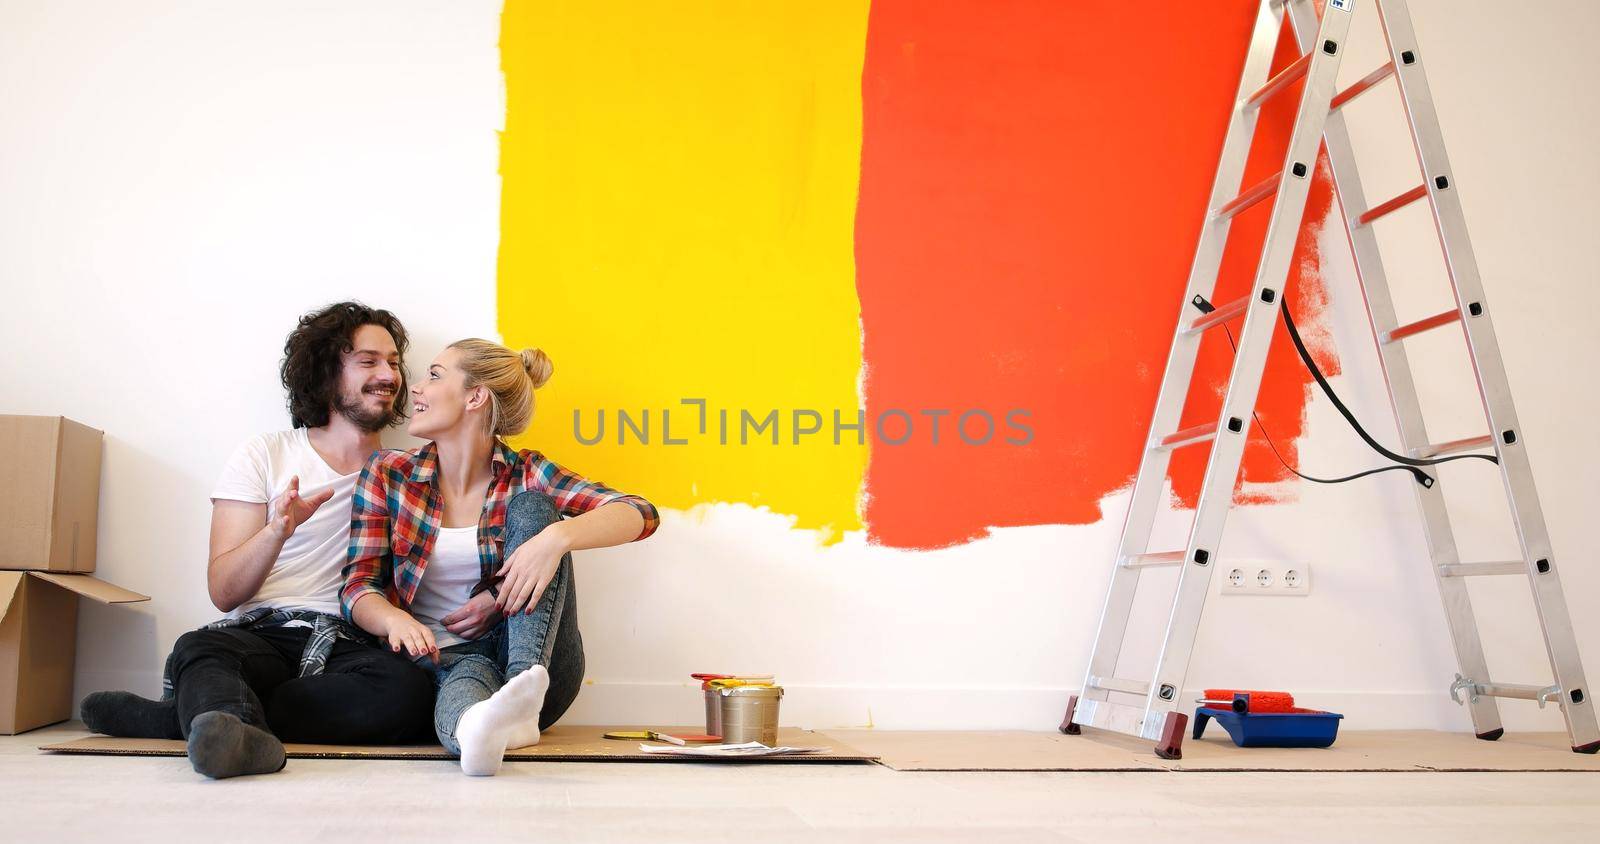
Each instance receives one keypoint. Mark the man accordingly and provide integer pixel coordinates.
(284, 666)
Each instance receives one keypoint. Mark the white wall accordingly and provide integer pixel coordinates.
(179, 181)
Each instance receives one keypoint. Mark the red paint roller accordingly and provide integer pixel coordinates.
(1258, 701)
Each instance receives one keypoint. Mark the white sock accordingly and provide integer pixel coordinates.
(506, 719)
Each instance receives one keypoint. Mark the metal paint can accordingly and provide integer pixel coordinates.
(713, 709)
(750, 713)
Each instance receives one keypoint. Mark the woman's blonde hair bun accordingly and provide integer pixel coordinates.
(538, 366)
(511, 377)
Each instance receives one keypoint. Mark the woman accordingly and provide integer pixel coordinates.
(459, 554)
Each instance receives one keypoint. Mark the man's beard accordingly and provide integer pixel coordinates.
(354, 409)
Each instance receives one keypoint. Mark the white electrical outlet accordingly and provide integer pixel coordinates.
(1258, 577)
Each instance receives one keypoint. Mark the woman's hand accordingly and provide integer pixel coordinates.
(404, 631)
(474, 618)
(531, 569)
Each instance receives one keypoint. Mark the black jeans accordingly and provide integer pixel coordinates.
(365, 695)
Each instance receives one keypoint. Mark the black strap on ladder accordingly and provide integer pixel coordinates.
(1408, 464)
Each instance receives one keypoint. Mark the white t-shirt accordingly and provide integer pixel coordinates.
(310, 568)
(447, 583)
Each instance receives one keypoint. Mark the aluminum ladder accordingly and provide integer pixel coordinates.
(1150, 707)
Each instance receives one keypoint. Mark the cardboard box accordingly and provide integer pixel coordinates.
(49, 493)
(38, 643)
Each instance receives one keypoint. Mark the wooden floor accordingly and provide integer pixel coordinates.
(72, 798)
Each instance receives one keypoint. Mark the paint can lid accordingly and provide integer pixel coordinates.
(753, 691)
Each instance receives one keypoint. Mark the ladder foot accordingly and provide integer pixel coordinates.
(1589, 748)
(1171, 744)
(1067, 726)
(1492, 734)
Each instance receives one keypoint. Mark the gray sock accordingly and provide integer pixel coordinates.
(221, 746)
(126, 715)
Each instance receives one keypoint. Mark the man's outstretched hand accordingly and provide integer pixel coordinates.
(293, 510)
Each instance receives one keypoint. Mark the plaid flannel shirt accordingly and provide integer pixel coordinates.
(325, 630)
(397, 510)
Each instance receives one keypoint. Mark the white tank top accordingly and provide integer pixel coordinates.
(452, 572)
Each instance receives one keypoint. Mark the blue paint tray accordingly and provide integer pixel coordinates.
(1295, 728)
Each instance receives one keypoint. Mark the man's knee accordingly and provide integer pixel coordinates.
(198, 644)
(397, 679)
(413, 684)
(365, 699)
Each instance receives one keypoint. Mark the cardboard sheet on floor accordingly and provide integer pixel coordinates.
(1393, 750)
(1008, 750)
(1410, 751)
(559, 744)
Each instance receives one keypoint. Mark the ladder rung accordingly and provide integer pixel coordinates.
(1420, 326)
(1284, 79)
(1521, 691)
(1478, 569)
(1257, 192)
(1160, 558)
(1361, 87)
(1112, 684)
(1453, 446)
(1189, 436)
(1108, 714)
(1220, 315)
(1125, 622)
(1400, 201)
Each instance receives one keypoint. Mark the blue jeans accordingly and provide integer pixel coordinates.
(470, 672)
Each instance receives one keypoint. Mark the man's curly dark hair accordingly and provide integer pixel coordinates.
(312, 359)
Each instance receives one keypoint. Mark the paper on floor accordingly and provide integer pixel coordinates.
(748, 749)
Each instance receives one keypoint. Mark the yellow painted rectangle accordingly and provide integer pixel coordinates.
(677, 222)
